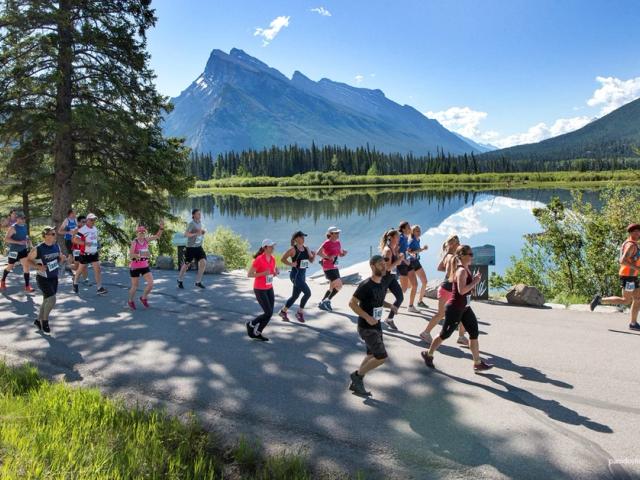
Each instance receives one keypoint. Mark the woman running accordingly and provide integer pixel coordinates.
(17, 239)
(459, 310)
(68, 227)
(298, 258)
(139, 266)
(330, 251)
(414, 249)
(392, 258)
(407, 275)
(448, 265)
(262, 270)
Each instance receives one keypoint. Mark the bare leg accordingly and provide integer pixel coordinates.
(135, 281)
(423, 284)
(148, 278)
(369, 363)
(414, 287)
(437, 317)
(434, 346)
(474, 346)
(202, 264)
(97, 273)
(183, 270)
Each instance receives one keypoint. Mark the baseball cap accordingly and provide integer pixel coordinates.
(268, 243)
(633, 226)
(91, 216)
(20, 215)
(333, 229)
(299, 233)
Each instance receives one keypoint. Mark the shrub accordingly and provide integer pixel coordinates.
(229, 245)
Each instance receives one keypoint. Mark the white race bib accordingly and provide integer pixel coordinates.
(90, 247)
(13, 254)
(629, 286)
(199, 239)
(377, 313)
(143, 253)
(304, 264)
(468, 299)
(76, 253)
(269, 279)
(52, 265)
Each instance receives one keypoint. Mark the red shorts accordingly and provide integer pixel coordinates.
(443, 294)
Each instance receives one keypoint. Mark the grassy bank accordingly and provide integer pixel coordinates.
(494, 180)
(51, 430)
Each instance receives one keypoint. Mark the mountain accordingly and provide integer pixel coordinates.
(239, 102)
(614, 135)
(481, 147)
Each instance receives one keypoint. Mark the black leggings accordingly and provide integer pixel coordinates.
(267, 300)
(396, 290)
(453, 316)
(298, 278)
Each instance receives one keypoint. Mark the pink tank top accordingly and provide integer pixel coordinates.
(142, 249)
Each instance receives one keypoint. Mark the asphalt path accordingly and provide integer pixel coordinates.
(562, 402)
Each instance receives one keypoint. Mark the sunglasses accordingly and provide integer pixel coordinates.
(50, 234)
(470, 254)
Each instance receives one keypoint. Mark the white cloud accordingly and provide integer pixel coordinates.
(462, 120)
(359, 78)
(268, 34)
(542, 131)
(613, 93)
(321, 11)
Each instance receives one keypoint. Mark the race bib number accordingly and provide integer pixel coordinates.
(629, 286)
(199, 239)
(468, 299)
(76, 253)
(90, 247)
(144, 253)
(269, 279)
(304, 264)
(377, 313)
(52, 265)
(13, 255)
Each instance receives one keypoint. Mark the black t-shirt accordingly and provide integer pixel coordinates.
(371, 296)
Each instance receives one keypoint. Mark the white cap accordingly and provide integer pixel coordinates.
(268, 243)
(91, 216)
(333, 229)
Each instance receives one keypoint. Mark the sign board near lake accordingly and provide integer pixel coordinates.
(484, 255)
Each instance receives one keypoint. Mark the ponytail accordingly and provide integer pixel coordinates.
(386, 237)
(258, 253)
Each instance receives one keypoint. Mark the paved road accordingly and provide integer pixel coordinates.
(562, 402)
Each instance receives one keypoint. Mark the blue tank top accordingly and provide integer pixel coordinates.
(21, 234)
(49, 255)
(403, 244)
(414, 244)
(71, 225)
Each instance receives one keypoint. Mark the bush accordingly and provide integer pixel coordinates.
(229, 245)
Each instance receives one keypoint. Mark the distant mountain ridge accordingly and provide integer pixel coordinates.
(239, 102)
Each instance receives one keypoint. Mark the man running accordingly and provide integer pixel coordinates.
(368, 303)
(629, 268)
(46, 259)
(67, 229)
(194, 251)
(19, 243)
(87, 240)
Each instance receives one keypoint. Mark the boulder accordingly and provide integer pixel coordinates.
(522, 294)
(215, 264)
(164, 262)
(432, 288)
(352, 279)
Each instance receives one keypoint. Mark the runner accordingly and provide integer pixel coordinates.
(10, 219)
(46, 258)
(414, 249)
(87, 241)
(67, 228)
(392, 258)
(194, 251)
(448, 265)
(368, 302)
(330, 251)
(139, 266)
(262, 270)
(82, 221)
(298, 258)
(629, 267)
(407, 274)
(19, 244)
(459, 310)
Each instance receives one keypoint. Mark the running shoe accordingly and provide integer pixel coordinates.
(428, 359)
(595, 302)
(28, 288)
(634, 326)
(3, 285)
(462, 340)
(329, 307)
(300, 316)
(132, 305)
(261, 337)
(199, 285)
(283, 315)
(180, 284)
(101, 291)
(323, 306)
(391, 324)
(357, 385)
(144, 302)
(75, 288)
(412, 309)
(482, 366)
(421, 304)
(86, 282)
(426, 336)
(250, 330)
(36, 322)
(45, 326)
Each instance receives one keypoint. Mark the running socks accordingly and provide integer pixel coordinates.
(326, 295)
(333, 293)
(26, 279)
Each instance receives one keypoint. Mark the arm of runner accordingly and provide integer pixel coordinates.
(354, 304)
(77, 240)
(132, 251)
(8, 239)
(312, 255)
(390, 306)
(158, 233)
(61, 230)
(32, 260)
(461, 279)
(286, 256)
(626, 256)
(442, 266)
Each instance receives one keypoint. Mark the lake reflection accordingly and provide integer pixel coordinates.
(499, 218)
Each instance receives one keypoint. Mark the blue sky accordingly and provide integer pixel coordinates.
(499, 71)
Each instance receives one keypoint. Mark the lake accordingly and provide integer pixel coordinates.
(498, 217)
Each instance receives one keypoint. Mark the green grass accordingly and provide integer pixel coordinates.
(52, 430)
(489, 180)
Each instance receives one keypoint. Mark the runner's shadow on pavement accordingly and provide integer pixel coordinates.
(526, 373)
(400, 335)
(552, 408)
(26, 307)
(627, 333)
(60, 355)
